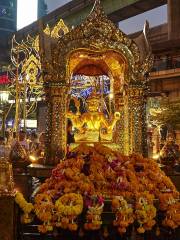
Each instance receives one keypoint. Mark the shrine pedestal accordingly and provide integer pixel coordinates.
(8, 225)
(113, 146)
(39, 171)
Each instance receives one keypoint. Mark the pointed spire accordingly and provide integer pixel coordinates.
(146, 32)
(97, 4)
(97, 9)
(146, 28)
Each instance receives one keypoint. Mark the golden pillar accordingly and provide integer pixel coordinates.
(137, 120)
(55, 123)
(119, 131)
(127, 146)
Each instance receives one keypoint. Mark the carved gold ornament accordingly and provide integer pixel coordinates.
(58, 30)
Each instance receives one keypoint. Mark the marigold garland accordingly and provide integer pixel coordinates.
(25, 206)
(68, 208)
(145, 212)
(124, 214)
(93, 215)
(44, 208)
(172, 218)
(171, 206)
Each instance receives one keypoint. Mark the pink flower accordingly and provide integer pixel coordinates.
(88, 202)
(100, 200)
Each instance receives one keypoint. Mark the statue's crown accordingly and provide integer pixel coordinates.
(93, 97)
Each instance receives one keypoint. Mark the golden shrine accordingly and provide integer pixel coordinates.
(95, 77)
(94, 48)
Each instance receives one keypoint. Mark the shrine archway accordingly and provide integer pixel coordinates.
(94, 65)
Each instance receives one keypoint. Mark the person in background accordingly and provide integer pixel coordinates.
(4, 148)
(19, 148)
(42, 140)
(37, 147)
(41, 148)
(10, 137)
(1, 147)
(23, 141)
(34, 142)
(170, 152)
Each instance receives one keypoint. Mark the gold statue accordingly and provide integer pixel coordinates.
(92, 125)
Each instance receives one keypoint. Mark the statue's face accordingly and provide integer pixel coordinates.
(93, 105)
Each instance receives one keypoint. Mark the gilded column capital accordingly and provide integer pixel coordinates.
(54, 90)
(53, 84)
(136, 92)
(119, 100)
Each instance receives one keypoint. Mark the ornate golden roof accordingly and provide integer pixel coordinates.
(97, 34)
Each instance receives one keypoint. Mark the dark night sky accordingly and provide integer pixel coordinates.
(155, 17)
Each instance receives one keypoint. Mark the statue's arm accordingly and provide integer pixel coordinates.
(76, 119)
(104, 122)
(115, 119)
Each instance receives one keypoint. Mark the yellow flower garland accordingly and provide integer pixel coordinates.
(93, 217)
(124, 214)
(70, 204)
(44, 208)
(68, 207)
(25, 206)
(145, 212)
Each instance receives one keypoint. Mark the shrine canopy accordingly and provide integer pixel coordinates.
(92, 49)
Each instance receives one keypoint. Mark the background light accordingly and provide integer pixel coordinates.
(32, 158)
(4, 95)
(26, 12)
(111, 95)
(30, 123)
(156, 156)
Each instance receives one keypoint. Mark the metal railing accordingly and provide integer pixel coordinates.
(166, 63)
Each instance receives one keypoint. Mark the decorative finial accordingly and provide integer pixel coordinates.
(97, 2)
(146, 32)
(59, 29)
(146, 28)
(97, 8)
